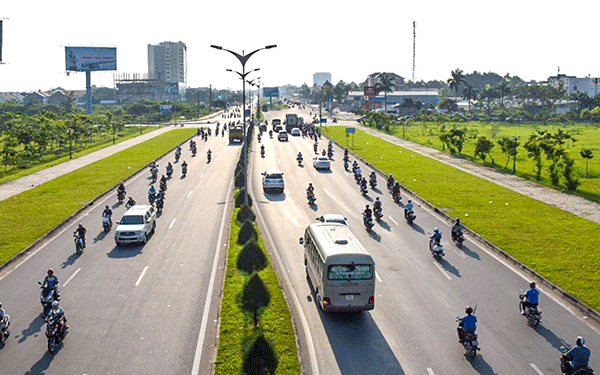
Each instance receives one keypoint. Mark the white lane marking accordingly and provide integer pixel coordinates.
(377, 276)
(445, 303)
(190, 193)
(204, 324)
(536, 369)
(296, 221)
(202, 175)
(141, 276)
(314, 174)
(72, 276)
(172, 222)
(279, 160)
(430, 371)
(326, 192)
(442, 270)
(287, 192)
(392, 219)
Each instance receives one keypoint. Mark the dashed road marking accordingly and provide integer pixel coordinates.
(392, 219)
(442, 270)
(72, 276)
(190, 193)
(536, 369)
(377, 276)
(172, 222)
(430, 371)
(141, 276)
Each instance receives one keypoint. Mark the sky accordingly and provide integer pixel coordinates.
(350, 39)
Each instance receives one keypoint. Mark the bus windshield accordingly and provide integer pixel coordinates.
(350, 272)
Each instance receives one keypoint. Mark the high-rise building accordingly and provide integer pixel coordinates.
(320, 78)
(167, 62)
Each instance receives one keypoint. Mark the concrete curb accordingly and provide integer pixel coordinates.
(582, 307)
(72, 217)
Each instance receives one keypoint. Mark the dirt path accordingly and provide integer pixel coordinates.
(567, 202)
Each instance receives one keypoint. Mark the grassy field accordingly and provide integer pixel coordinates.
(98, 141)
(237, 327)
(541, 236)
(27, 216)
(588, 136)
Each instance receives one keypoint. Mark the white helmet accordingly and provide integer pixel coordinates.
(436, 230)
(580, 341)
(55, 305)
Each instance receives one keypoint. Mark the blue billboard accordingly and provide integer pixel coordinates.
(83, 59)
(271, 92)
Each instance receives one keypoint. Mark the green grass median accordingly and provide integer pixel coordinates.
(29, 215)
(557, 244)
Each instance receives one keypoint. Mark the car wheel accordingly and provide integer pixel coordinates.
(145, 239)
(153, 226)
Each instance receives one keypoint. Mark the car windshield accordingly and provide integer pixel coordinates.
(350, 272)
(132, 219)
(274, 175)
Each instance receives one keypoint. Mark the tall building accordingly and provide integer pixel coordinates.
(167, 62)
(573, 85)
(320, 78)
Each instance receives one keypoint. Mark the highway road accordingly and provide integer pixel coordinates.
(412, 329)
(135, 309)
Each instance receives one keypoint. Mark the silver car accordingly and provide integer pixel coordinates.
(272, 180)
(136, 225)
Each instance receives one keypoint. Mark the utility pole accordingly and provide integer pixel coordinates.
(414, 50)
(210, 96)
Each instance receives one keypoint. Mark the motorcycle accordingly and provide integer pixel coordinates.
(106, 223)
(363, 189)
(154, 173)
(299, 160)
(78, 244)
(410, 216)
(330, 153)
(316, 148)
(311, 197)
(208, 158)
(262, 152)
(169, 172)
(346, 165)
(390, 186)
(565, 366)
(436, 248)
(184, 170)
(533, 314)
(54, 335)
(163, 186)
(458, 238)
(271, 134)
(47, 296)
(121, 195)
(194, 151)
(397, 198)
(177, 156)
(259, 138)
(358, 176)
(373, 183)
(151, 198)
(4, 331)
(378, 212)
(469, 342)
(159, 204)
(368, 222)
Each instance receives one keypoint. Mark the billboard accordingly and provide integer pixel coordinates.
(82, 59)
(370, 91)
(271, 92)
(166, 109)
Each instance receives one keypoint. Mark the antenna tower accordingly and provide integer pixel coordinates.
(414, 54)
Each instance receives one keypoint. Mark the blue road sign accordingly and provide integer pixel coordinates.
(323, 120)
(350, 130)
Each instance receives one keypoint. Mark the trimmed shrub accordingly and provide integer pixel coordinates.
(251, 258)
(255, 296)
(245, 213)
(247, 233)
(239, 180)
(239, 199)
(261, 358)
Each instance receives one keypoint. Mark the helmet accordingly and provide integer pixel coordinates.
(0, 305)
(107, 206)
(367, 207)
(580, 341)
(458, 220)
(436, 230)
(50, 272)
(409, 201)
(377, 198)
(55, 305)
(469, 310)
(532, 284)
(80, 225)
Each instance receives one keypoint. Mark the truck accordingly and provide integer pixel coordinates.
(276, 125)
(236, 134)
(291, 121)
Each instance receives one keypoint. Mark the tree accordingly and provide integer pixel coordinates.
(509, 146)
(534, 150)
(448, 104)
(488, 93)
(502, 89)
(457, 79)
(469, 93)
(572, 182)
(305, 92)
(586, 153)
(385, 84)
(454, 139)
(255, 296)
(340, 91)
(484, 147)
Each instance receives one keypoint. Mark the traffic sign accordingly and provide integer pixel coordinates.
(323, 120)
(350, 130)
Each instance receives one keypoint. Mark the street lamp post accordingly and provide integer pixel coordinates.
(252, 84)
(243, 58)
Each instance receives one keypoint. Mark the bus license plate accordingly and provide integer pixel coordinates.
(349, 297)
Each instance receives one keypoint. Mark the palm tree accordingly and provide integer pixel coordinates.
(502, 89)
(458, 78)
(386, 84)
(469, 93)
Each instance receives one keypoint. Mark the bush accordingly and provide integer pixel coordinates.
(255, 296)
(239, 199)
(251, 258)
(245, 213)
(239, 180)
(261, 358)
(247, 232)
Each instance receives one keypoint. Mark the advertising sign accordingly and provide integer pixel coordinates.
(271, 92)
(82, 59)
(370, 91)
(172, 88)
(166, 109)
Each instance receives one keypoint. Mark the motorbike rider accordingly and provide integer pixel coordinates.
(372, 177)
(578, 357)
(408, 207)
(262, 150)
(377, 204)
(467, 324)
(209, 154)
(390, 181)
(51, 281)
(363, 183)
(345, 153)
(368, 213)
(184, 166)
(530, 299)
(299, 157)
(310, 189)
(80, 231)
(436, 236)
(107, 213)
(121, 188)
(152, 190)
(130, 203)
(457, 228)
(3, 320)
(396, 188)
(58, 313)
(169, 169)
(163, 180)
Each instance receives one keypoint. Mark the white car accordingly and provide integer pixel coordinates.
(295, 132)
(321, 162)
(136, 225)
(272, 180)
(333, 218)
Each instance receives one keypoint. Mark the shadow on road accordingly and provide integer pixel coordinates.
(417, 228)
(385, 225)
(34, 327)
(481, 366)
(450, 268)
(126, 251)
(279, 197)
(116, 205)
(374, 235)
(552, 339)
(101, 236)
(42, 365)
(470, 252)
(69, 261)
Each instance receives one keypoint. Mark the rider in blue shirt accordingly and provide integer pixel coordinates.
(437, 235)
(468, 324)
(578, 355)
(531, 299)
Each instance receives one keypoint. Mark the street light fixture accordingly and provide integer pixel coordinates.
(243, 58)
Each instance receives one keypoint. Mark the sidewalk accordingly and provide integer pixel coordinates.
(29, 182)
(567, 202)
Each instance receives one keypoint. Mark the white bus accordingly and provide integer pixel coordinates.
(339, 267)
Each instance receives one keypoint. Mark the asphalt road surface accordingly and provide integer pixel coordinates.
(412, 329)
(133, 309)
